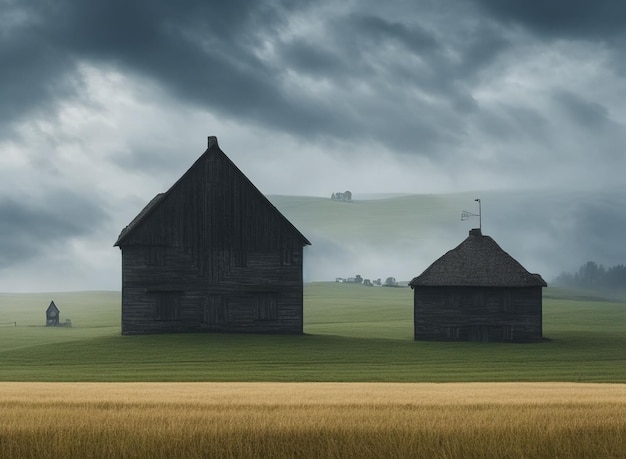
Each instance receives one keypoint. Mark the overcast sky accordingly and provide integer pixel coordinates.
(105, 103)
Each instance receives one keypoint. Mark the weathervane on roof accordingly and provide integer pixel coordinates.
(465, 215)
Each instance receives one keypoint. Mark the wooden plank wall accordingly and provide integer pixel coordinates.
(478, 314)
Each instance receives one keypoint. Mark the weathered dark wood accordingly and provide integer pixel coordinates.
(477, 292)
(478, 313)
(211, 254)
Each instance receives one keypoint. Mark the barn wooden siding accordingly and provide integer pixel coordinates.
(478, 314)
(212, 254)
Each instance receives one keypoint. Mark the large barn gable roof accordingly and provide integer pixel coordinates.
(477, 262)
(212, 149)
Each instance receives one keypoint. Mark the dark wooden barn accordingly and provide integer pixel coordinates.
(211, 254)
(52, 315)
(477, 292)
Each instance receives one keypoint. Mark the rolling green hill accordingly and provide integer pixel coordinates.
(353, 333)
(372, 221)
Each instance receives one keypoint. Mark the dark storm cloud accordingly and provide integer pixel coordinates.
(444, 63)
(572, 18)
(375, 29)
(207, 53)
(312, 59)
(404, 79)
(30, 228)
(200, 51)
(33, 69)
(417, 82)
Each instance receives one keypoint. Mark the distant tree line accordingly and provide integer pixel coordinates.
(593, 276)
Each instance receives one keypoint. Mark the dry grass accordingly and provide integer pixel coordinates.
(276, 420)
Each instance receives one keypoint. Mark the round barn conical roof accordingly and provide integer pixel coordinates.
(477, 262)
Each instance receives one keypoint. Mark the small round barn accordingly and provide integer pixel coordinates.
(477, 292)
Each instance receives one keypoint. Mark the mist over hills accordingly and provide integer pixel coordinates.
(546, 231)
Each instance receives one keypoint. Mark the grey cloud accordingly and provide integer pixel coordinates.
(153, 38)
(33, 70)
(204, 53)
(509, 123)
(376, 30)
(418, 70)
(313, 59)
(30, 228)
(600, 19)
(582, 112)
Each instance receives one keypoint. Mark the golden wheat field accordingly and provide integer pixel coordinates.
(338, 420)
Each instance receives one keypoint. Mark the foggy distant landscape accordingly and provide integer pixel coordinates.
(548, 232)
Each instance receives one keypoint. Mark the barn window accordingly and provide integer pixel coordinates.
(216, 310)
(167, 306)
(266, 308)
(507, 333)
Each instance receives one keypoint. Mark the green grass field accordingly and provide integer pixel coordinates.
(352, 333)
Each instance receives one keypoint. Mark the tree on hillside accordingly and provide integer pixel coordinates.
(391, 282)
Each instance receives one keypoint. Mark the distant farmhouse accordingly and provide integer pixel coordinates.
(477, 292)
(211, 254)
